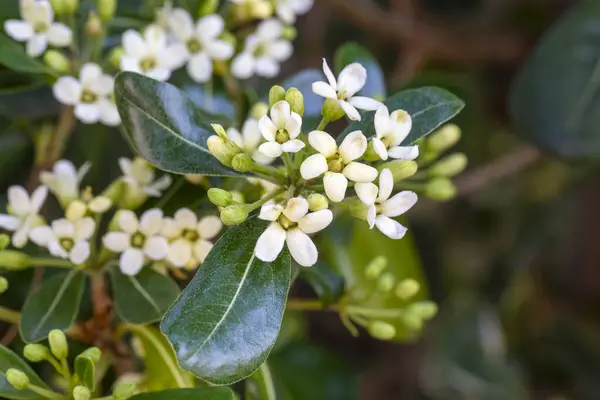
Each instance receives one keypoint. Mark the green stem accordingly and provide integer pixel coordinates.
(270, 173)
(287, 160)
(10, 316)
(170, 193)
(54, 362)
(375, 312)
(308, 305)
(50, 262)
(322, 124)
(45, 392)
(270, 196)
(404, 185)
(66, 371)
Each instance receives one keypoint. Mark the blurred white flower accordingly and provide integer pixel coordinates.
(287, 10)
(263, 51)
(337, 162)
(23, 212)
(291, 225)
(38, 28)
(202, 43)
(350, 81)
(89, 94)
(64, 180)
(280, 131)
(249, 140)
(391, 130)
(66, 239)
(137, 240)
(151, 54)
(140, 177)
(163, 14)
(87, 205)
(190, 237)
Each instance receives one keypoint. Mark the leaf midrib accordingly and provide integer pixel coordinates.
(57, 298)
(145, 294)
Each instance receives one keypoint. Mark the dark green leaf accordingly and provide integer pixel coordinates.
(54, 305)
(226, 321)
(15, 154)
(327, 284)
(85, 371)
(303, 81)
(259, 385)
(215, 393)
(555, 101)
(429, 108)
(165, 126)
(144, 298)
(8, 359)
(26, 96)
(354, 53)
(13, 56)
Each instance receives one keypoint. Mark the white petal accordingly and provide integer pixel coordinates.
(179, 252)
(302, 248)
(185, 218)
(353, 146)
(270, 243)
(181, 23)
(350, 110)
(63, 228)
(313, 166)
(382, 122)
(404, 152)
(36, 45)
(359, 172)
(371, 214)
(87, 113)
(67, 90)
(201, 249)
(235, 136)
(156, 247)
(19, 200)
(131, 261)
(173, 57)
(280, 50)
(19, 30)
(128, 221)
(109, 114)
(380, 148)
(155, 188)
(296, 208)
(84, 228)
(270, 211)
(155, 38)
(335, 186)
(9, 222)
(293, 125)
(65, 169)
(219, 50)
(266, 67)
(210, 27)
(209, 226)
(367, 192)
(270, 149)
(286, 13)
(59, 35)
(401, 124)
(100, 204)
(56, 249)
(41, 235)
(386, 184)
(267, 128)
(389, 227)
(19, 238)
(329, 75)
(351, 79)
(315, 221)
(170, 229)
(324, 90)
(80, 252)
(37, 198)
(129, 63)
(365, 103)
(200, 67)
(243, 65)
(151, 221)
(102, 86)
(251, 134)
(160, 74)
(133, 44)
(323, 143)
(116, 242)
(269, 29)
(280, 113)
(399, 203)
(292, 146)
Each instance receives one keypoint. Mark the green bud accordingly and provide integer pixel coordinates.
(381, 330)
(123, 391)
(277, 93)
(232, 40)
(444, 138)
(289, 33)
(370, 154)
(71, 6)
(81, 393)
(3, 284)
(260, 9)
(17, 378)
(4, 241)
(412, 321)
(219, 130)
(376, 267)
(115, 56)
(195, 179)
(93, 26)
(259, 110)
(242, 162)
(220, 197)
(400, 169)
(441, 189)
(234, 214)
(386, 282)
(57, 61)
(237, 197)
(317, 202)
(358, 209)
(424, 309)
(331, 110)
(14, 260)
(58, 344)
(208, 7)
(106, 9)
(36, 352)
(223, 150)
(76, 210)
(296, 100)
(63, 7)
(92, 353)
(449, 166)
(407, 289)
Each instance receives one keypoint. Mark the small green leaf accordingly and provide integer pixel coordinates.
(429, 108)
(54, 305)
(214, 393)
(259, 385)
(13, 56)
(166, 127)
(226, 321)
(354, 53)
(8, 359)
(144, 298)
(85, 371)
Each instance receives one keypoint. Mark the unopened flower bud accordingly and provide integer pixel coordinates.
(57, 61)
(63, 7)
(259, 110)
(220, 197)
(13, 260)
(424, 309)
(195, 179)
(386, 282)
(36, 352)
(449, 166)
(3, 284)
(106, 9)
(261, 9)
(124, 390)
(441, 189)
(400, 169)
(4, 241)
(17, 378)
(381, 330)
(407, 289)
(296, 100)
(208, 7)
(358, 209)
(93, 353)
(317, 202)
(277, 93)
(376, 267)
(115, 56)
(93, 26)
(58, 344)
(370, 154)
(114, 192)
(412, 321)
(234, 214)
(219, 130)
(444, 138)
(331, 110)
(76, 210)
(242, 162)
(223, 150)
(81, 393)
(237, 197)
(289, 33)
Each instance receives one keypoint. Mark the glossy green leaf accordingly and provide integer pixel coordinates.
(325, 281)
(303, 81)
(354, 53)
(226, 321)
(215, 393)
(429, 108)
(161, 368)
(555, 101)
(165, 126)
(8, 359)
(54, 305)
(260, 386)
(13, 56)
(26, 96)
(85, 371)
(144, 298)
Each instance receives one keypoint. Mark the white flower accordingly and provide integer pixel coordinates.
(137, 240)
(89, 94)
(38, 28)
(202, 43)
(140, 177)
(337, 162)
(249, 140)
(280, 131)
(150, 54)
(383, 208)
(350, 81)
(291, 225)
(267, 186)
(191, 237)
(64, 180)
(391, 130)
(263, 51)
(24, 212)
(66, 239)
(288, 9)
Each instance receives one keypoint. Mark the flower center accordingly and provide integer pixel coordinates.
(66, 243)
(335, 163)
(261, 50)
(194, 46)
(190, 235)
(147, 64)
(88, 97)
(286, 223)
(138, 240)
(40, 27)
(282, 136)
(387, 141)
(342, 95)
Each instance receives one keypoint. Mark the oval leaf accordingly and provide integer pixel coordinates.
(354, 53)
(216, 393)
(8, 359)
(54, 305)
(259, 386)
(165, 126)
(14, 57)
(85, 371)
(144, 298)
(303, 81)
(226, 321)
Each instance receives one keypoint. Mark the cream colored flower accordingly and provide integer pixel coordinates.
(66, 239)
(23, 213)
(391, 130)
(281, 131)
